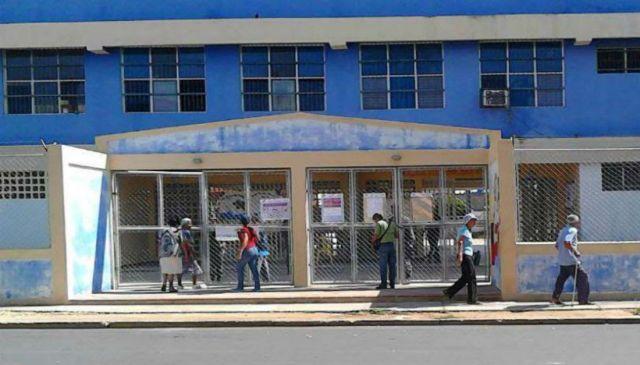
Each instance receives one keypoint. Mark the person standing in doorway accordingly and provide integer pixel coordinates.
(263, 259)
(464, 258)
(169, 253)
(569, 260)
(383, 241)
(247, 255)
(189, 262)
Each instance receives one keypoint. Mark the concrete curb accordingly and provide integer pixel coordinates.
(316, 323)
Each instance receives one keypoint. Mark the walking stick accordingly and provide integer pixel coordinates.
(575, 284)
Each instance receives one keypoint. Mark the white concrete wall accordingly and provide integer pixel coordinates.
(606, 215)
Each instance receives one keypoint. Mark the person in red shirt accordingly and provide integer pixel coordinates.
(248, 254)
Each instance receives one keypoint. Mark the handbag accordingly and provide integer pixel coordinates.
(377, 243)
(477, 256)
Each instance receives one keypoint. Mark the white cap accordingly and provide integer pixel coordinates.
(572, 219)
(185, 221)
(469, 217)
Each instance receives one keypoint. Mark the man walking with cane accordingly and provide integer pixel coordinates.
(569, 260)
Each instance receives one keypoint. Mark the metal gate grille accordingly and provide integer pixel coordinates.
(428, 204)
(144, 205)
(598, 184)
(232, 194)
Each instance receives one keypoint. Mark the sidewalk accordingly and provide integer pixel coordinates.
(314, 314)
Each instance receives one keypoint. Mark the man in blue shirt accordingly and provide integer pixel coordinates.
(569, 260)
(464, 258)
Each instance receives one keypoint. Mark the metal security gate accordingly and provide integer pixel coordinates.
(144, 205)
(232, 194)
(427, 203)
(145, 202)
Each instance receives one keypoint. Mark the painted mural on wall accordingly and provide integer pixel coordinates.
(25, 279)
(87, 227)
(607, 273)
(494, 209)
(296, 135)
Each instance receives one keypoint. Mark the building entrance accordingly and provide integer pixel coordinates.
(215, 201)
(427, 203)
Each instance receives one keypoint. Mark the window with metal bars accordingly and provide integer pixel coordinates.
(533, 72)
(402, 76)
(283, 78)
(621, 176)
(618, 60)
(44, 81)
(163, 79)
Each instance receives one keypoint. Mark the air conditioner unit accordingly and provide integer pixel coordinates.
(495, 98)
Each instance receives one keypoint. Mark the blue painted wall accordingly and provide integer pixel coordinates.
(607, 273)
(83, 10)
(14, 213)
(596, 104)
(89, 237)
(298, 134)
(25, 279)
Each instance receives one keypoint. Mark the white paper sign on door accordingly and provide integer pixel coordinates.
(332, 206)
(275, 209)
(373, 203)
(422, 207)
(226, 233)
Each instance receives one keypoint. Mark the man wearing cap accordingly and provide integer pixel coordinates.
(464, 256)
(569, 260)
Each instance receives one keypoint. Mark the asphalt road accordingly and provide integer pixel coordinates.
(519, 345)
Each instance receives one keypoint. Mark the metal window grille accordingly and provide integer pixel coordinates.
(163, 79)
(283, 78)
(618, 60)
(533, 72)
(402, 76)
(599, 185)
(44, 81)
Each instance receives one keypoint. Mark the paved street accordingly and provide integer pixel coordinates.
(522, 345)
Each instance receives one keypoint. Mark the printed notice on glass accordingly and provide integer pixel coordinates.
(275, 209)
(373, 203)
(422, 207)
(332, 206)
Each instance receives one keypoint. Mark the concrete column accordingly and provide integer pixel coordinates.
(57, 225)
(299, 239)
(507, 249)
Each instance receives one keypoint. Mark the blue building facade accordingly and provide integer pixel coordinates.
(606, 107)
(326, 110)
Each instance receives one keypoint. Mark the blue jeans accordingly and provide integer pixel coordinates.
(249, 256)
(387, 263)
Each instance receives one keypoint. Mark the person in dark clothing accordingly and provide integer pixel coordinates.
(464, 255)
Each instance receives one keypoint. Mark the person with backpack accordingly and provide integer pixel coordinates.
(169, 253)
(248, 254)
(263, 259)
(189, 262)
(383, 241)
(464, 258)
